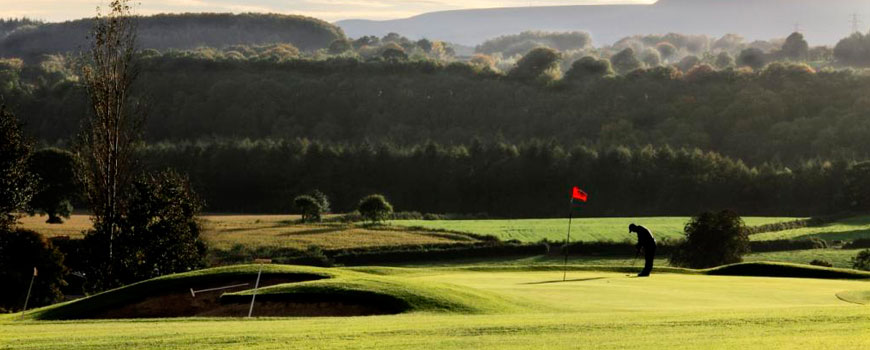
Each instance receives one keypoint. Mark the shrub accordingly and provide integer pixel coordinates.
(712, 239)
(818, 262)
(309, 207)
(862, 260)
(21, 251)
(375, 208)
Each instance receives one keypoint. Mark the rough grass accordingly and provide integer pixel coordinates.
(275, 231)
(582, 229)
(593, 309)
(845, 229)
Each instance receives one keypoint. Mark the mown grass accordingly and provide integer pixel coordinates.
(840, 258)
(582, 229)
(593, 309)
(845, 229)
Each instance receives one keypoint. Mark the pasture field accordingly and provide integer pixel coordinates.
(277, 231)
(844, 229)
(582, 229)
(601, 309)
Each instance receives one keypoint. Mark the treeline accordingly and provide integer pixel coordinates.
(522, 43)
(783, 112)
(178, 31)
(531, 179)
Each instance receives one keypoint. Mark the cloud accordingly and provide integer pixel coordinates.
(330, 10)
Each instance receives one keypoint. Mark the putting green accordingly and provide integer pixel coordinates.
(861, 297)
(600, 309)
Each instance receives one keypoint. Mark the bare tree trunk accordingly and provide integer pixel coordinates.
(109, 140)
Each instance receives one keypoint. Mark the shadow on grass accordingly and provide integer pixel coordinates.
(313, 231)
(842, 235)
(573, 280)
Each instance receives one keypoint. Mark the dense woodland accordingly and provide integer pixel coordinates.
(650, 125)
(532, 179)
(30, 40)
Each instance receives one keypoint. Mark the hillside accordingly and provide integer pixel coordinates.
(758, 19)
(179, 31)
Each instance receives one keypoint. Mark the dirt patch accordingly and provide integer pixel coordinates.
(181, 303)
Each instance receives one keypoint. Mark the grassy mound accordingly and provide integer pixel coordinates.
(395, 294)
(771, 269)
(286, 290)
(855, 296)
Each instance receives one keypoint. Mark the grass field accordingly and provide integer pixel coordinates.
(840, 258)
(279, 231)
(582, 229)
(845, 229)
(593, 309)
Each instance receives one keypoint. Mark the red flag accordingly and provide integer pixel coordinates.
(579, 194)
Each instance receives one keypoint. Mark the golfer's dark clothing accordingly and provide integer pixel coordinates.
(646, 241)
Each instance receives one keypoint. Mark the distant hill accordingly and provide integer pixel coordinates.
(178, 31)
(822, 22)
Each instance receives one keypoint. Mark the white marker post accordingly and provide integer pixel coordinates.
(257, 285)
(26, 299)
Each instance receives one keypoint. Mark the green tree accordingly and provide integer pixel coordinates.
(309, 207)
(752, 57)
(17, 183)
(651, 57)
(712, 239)
(109, 141)
(20, 252)
(625, 61)
(688, 62)
(587, 68)
(853, 50)
(340, 46)
(539, 65)
(666, 50)
(161, 230)
(795, 47)
(57, 185)
(724, 60)
(375, 208)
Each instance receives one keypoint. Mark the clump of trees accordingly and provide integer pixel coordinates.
(312, 206)
(523, 43)
(375, 208)
(24, 253)
(853, 50)
(712, 239)
(144, 224)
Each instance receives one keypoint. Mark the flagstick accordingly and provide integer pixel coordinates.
(26, 299)
(568, 238)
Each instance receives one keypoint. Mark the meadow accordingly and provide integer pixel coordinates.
(602, 309)
(582, 229)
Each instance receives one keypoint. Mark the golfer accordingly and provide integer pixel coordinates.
(646, 241)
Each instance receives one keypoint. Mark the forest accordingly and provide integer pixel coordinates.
(694, 121)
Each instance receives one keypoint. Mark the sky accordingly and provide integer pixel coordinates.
(330, 10)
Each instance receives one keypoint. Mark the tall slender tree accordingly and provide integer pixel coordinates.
(111, 134)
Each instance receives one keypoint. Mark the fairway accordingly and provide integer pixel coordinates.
(607, 309)
(582, 229)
